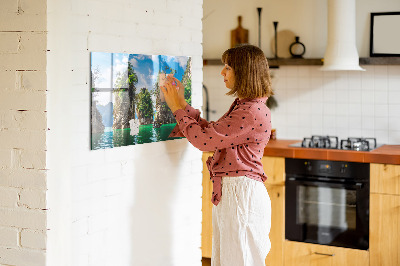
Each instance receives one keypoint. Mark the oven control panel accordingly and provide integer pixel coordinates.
(337, 169)
(325, 167)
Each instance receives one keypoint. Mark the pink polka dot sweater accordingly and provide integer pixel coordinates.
(238, 139)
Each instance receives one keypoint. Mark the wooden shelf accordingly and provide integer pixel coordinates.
(212, 62)
(380, 61)
(274, 63)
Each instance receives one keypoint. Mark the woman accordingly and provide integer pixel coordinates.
(242, 208)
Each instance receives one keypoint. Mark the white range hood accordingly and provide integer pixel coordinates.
(341, 51)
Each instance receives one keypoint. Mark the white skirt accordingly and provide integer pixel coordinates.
(241, 223)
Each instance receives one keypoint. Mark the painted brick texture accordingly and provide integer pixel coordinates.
(33, 239)
(9, 237)
(134, 205)
(23, 126)
(108, 207)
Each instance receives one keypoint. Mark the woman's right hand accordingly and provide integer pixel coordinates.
(181, 91)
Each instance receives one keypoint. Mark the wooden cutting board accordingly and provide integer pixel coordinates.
(239, 35)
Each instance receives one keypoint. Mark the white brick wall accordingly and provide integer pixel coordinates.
(24, 256)
(99, 203)
(33, 239)
(9, 237)
(23, 132)
(8, 197)
(135, 205)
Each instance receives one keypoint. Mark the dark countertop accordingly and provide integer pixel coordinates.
(389, 154)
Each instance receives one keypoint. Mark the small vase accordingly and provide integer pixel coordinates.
(297, 49)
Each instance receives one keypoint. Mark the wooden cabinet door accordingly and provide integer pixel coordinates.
(277, 233)
(385, 178)
(274, 168)
(304, 254)
(206, 226)
(384, 237)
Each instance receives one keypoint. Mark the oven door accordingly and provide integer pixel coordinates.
(327, 213)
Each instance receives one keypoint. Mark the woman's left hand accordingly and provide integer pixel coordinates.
(171, 95)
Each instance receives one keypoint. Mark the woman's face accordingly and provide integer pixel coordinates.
(229, 76)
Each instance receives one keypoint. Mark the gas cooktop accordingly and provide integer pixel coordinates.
(332, 142)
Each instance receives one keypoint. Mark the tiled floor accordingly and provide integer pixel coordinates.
(206, 261)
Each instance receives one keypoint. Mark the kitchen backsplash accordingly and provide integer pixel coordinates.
(314, 102)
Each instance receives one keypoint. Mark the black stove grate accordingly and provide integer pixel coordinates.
(358, 144)
(332, 142)
(327, 142)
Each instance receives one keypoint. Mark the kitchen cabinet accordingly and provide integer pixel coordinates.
(385, 230)
(385, 178)
(277, 233)
(305, 254)
(385, 215)
(384, 248)
(274, 168)
(206, 225)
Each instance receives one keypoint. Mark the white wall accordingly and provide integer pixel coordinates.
(311, 102)
(306, 19)
(134, 205)
(343, 104)
(23, 133)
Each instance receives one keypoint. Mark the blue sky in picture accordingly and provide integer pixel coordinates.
(110, 66)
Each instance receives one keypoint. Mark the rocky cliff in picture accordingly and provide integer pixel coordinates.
(127, 107)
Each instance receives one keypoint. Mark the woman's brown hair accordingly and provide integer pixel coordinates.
(250, 66)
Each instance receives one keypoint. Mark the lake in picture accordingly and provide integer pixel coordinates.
(127, 107)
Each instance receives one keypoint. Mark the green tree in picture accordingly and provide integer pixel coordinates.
(144, 107)
(187, 82)
(96, 119)
(132, 81)
(124, 92)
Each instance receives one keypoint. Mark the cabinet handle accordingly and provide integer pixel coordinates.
(324, 254)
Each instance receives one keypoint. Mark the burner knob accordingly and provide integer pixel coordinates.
(343, 168)
(308, 166)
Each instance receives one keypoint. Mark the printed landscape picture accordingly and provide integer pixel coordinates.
(127, 105)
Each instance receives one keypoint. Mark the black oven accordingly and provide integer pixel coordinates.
(327, 202)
